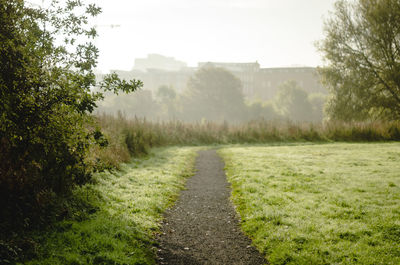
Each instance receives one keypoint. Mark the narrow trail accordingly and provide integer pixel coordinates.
(202, 228)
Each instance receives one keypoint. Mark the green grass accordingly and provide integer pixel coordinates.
(319, 204)
(123, 214)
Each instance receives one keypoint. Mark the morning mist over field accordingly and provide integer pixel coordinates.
(200, 132)
(268, 45)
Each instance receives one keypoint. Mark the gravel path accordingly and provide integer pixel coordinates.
(202, 228)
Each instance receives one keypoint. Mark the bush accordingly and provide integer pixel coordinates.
(46, 129)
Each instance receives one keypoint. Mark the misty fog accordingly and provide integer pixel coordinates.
(218, 92)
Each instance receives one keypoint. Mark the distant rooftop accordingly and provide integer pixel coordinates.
(160, 62)
(252, 66)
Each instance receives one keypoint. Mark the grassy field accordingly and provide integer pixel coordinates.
(319, 204)
(123, 213)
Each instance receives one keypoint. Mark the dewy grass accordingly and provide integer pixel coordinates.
(129, 207)
(319, 204)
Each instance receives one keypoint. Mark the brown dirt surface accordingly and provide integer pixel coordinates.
(202, 227)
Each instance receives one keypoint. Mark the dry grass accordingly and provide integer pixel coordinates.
(134, 137)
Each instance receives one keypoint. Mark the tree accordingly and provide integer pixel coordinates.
(317, 101)
(362, 50)
(46, 79)
(139, 104)
(168, 101)
(292, 102)
(215, 95)
(258, 110)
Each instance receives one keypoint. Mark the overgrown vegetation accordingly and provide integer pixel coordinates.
(319, 204)
(113, 219)
(137, 136)
(46, 130)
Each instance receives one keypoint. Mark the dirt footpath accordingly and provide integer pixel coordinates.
(202, 228)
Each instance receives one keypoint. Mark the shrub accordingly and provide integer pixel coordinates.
(46, 129)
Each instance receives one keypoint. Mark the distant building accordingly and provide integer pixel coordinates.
(268, 80)
(263, 83)
(160, 62)
(154, 78)
(257, 83)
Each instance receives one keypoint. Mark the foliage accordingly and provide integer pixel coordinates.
(139, 104)
(292, 102)
(165, 93)
(362, 49)
(213, 94)
(258, 110)
(46, 77)
(317, 101)
(168, 100)
(319, 204)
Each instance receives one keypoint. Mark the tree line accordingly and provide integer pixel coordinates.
(215, 94)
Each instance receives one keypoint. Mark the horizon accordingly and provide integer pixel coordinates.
(204, 62)
(274, 33)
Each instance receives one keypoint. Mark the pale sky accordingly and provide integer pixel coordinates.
(273, 32)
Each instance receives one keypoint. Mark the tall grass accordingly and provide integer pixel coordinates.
(133, 137)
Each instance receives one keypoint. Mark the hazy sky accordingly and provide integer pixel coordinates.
(273, 32)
